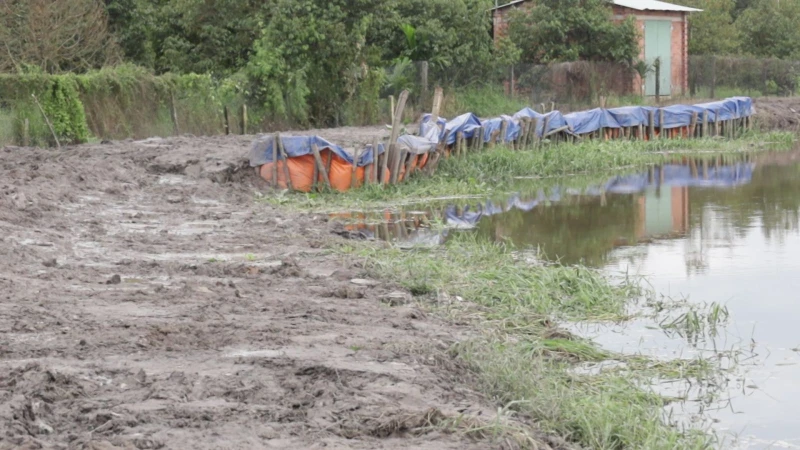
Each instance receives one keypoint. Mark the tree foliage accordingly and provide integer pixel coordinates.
(569, 30)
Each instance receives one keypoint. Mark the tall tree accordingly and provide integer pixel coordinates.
(712, 32)
(67, 35)
(569, 30)
(769, 28)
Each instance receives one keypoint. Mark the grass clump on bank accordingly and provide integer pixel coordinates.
(499, 170)
(521, 358)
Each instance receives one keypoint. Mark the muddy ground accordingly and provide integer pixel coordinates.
(148, 301)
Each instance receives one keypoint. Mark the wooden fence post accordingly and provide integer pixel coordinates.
(398, 118)
(227, 120)
(173, 109)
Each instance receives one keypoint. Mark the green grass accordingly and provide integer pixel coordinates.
(498, 171)
(6, 128)
(521, 358)
(483, 101)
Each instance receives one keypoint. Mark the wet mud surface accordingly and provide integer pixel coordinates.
(148, 301)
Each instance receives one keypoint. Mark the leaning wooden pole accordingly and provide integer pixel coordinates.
(47, 121)
(398, 118)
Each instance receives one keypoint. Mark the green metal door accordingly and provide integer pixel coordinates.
(658, 44)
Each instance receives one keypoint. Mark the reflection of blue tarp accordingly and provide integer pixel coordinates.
(674, 175)
(296, 146)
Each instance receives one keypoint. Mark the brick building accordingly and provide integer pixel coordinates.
(663, 33)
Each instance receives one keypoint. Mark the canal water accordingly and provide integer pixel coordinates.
(715, 231)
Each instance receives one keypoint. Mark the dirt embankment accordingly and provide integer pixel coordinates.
(778, 113)
(149, 302)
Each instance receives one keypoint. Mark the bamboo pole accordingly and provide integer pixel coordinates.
(717, 123)
(693, 125)
(459, 143)
(321, 165)
(651, 125)
(535, 131)
(661, 127)
(244, 119)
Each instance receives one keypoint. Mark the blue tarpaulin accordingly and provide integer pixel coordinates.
(583, 122)
(296, 146)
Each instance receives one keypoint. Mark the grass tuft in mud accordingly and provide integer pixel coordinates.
(520, 356)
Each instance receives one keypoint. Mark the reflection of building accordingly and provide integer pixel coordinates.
(663, 212)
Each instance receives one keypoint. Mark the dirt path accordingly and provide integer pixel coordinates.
(149, 302)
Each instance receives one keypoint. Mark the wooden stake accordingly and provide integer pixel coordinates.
(321, 165)
(693, 125)
(410, 165)
(354, 173)
(47, 121)
(717, 123)
(244, 119)
(438, 96)
(225, 113)
(545, 126)
(661, 128)
(26, 133)
(704, 129)
(375, 166)
(275, 161)
(174, 113)
(459, 143)
(651, 126)
(535, 132)
(391, 107)
(398, 117)
(503, 131)
(285, 157)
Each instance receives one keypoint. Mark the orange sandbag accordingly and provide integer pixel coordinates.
(341, 174)
(301, 172)
(423, 161)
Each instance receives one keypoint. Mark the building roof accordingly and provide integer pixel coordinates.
(653, 5)
(641, 5)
